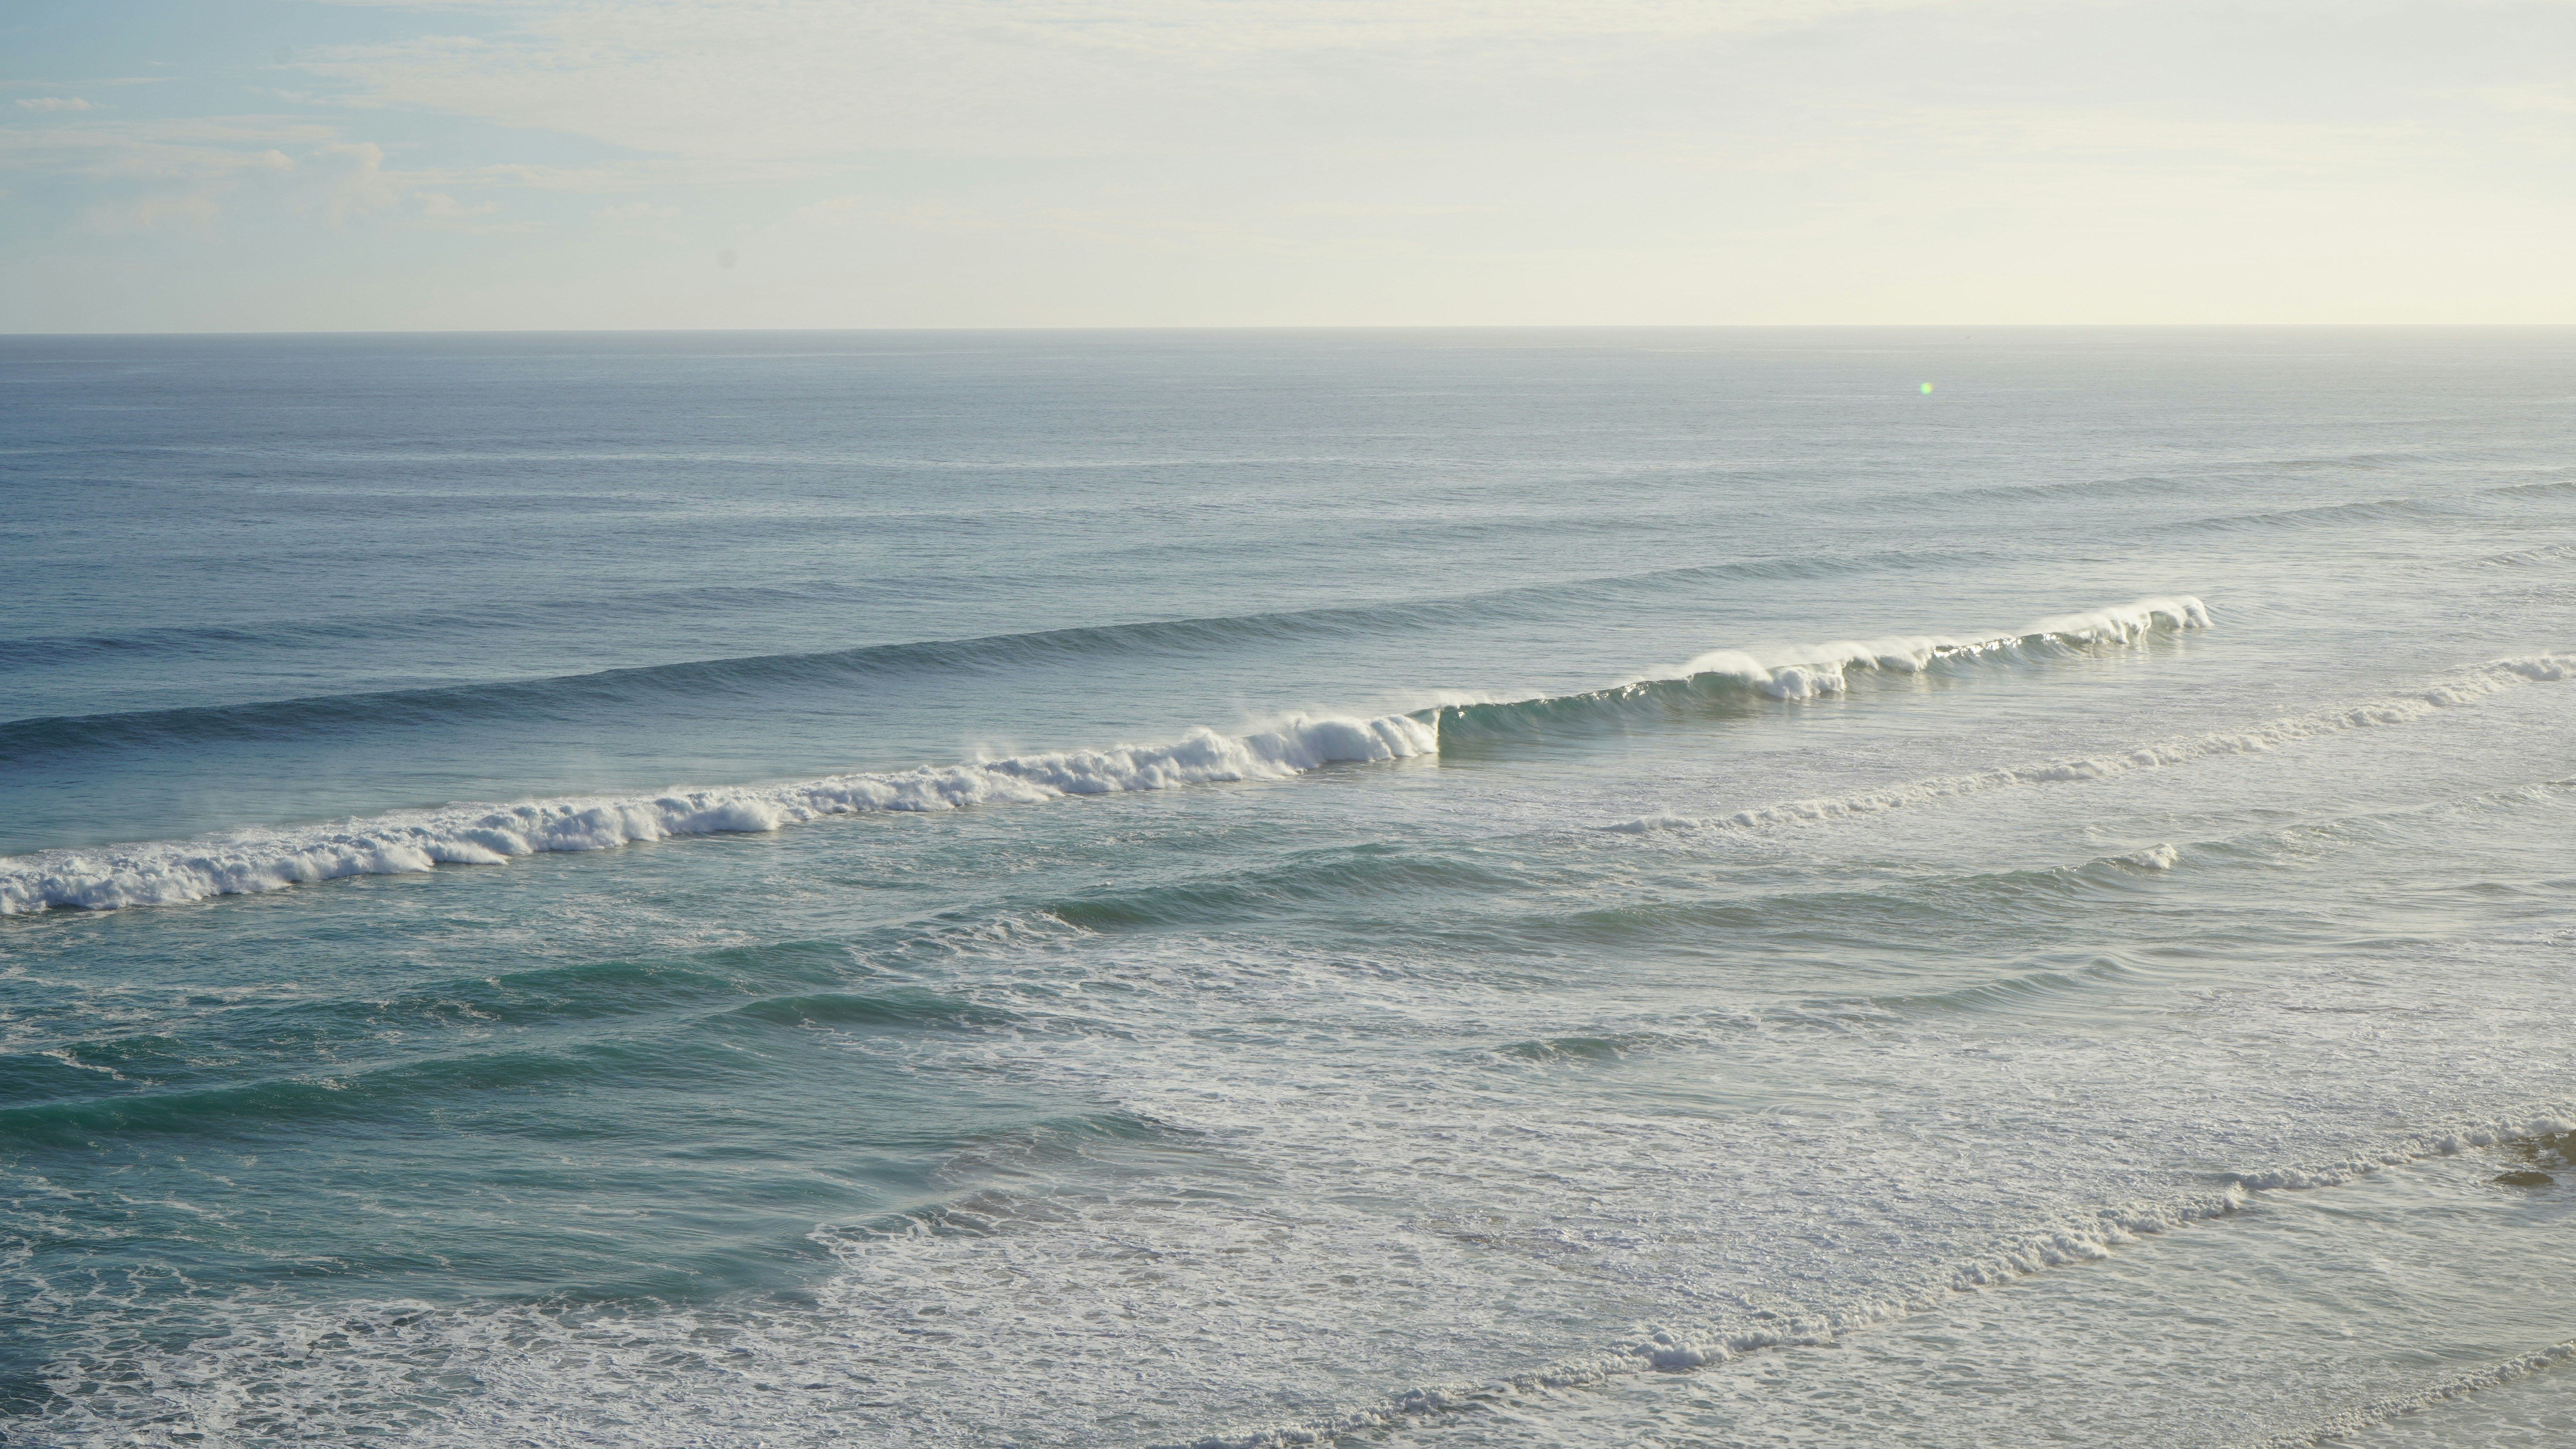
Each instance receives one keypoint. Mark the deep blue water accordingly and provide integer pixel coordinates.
(1490, 887)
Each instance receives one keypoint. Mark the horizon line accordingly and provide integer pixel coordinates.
(1305, 327)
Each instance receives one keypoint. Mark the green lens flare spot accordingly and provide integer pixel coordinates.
(1927, 389)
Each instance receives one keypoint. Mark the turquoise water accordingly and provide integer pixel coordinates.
(1474, 888)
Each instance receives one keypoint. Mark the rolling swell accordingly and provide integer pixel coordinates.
(1347, 877)
(1443, 905)
(376, 1029)
(670, 1044)
(643, 686)
(2328, 515)
(258, 1106)
(576, 696)
(292, 635)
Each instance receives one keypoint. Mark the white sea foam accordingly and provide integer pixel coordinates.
(2466, 687)
(2073, 1238)
(2449, 1142)
(1811, 671)
(1060, 1310)
(265, 860)
(562, 1375)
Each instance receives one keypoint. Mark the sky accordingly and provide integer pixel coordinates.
(323, 165)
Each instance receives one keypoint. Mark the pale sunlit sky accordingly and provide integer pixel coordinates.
(797, 163)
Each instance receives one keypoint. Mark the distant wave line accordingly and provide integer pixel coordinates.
(31, 735)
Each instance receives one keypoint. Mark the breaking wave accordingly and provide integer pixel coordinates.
(267, 860)
(1813, 671)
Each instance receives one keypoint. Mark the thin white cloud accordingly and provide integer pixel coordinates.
(442, 212)
(635, 213)
(148, 174)
(145, 150)
(29, 83)
(54, 103)
(439, 206)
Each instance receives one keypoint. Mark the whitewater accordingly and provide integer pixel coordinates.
(1392, 889)
(267, 860)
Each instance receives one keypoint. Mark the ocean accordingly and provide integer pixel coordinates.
(1482, 888)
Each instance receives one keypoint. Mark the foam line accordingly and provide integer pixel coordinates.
(2466, 687)
(2380, 1411)
(266, 860)
(2077, 1237)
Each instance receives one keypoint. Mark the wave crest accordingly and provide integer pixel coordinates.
(253, 861)
(1814, 671)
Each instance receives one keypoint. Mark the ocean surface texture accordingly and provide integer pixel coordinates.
(1442, 889)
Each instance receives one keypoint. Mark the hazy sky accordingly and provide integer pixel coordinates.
(260, 164)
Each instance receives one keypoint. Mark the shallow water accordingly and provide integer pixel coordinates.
(1479, 888)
